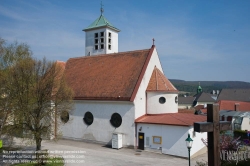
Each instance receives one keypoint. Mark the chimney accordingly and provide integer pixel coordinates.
(237, 106)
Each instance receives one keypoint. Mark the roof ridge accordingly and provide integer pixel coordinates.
(92, 56)
(142, 73)
(162, 78)
(99, 19)
(156, 78)
(165, 77)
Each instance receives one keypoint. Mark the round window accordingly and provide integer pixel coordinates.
(88, 118)
(64, 116)
(176, 99)
(162, 100)
(116, 120)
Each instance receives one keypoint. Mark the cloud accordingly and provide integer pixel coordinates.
(13, 14)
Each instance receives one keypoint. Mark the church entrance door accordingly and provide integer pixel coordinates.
(141, 141)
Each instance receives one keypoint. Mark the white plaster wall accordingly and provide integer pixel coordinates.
(101, 129)
(245, 124)
(155, 107)
(173, 138)
(90, 42)
(140, 98)
(197, 143)
(114, 41)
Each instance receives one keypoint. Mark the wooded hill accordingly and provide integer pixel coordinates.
(208, 86)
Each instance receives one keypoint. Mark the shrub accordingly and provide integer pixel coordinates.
(240, 133)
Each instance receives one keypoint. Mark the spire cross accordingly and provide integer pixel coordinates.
(102, 10)
(153, 41)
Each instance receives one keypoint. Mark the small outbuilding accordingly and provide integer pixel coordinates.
(240, 119)
(166, 133)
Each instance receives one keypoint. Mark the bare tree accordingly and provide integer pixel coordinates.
(41, 94)
(9, 55)
(38, 93)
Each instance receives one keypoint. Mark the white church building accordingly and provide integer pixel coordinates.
(125, 93)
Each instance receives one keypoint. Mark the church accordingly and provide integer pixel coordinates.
(123, 93)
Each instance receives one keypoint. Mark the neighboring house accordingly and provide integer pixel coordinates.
(203, 99)
(190, 111)
(230, 106)
(237, 112)
(200, 98)
(234, 105)
(234, 95)
(200, 110)
(185, 102)
(240, 119)
(226, 105)
(167, 132)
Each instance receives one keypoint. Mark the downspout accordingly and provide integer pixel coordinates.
(136, 142)
(146, 101)
(55, 130)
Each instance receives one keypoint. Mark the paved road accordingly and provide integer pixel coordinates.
(91, 154)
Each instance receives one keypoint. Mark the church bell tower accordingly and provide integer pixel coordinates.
(101, 37)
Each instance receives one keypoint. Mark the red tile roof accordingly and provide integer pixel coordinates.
(230, 105)
(61, 64)
(198, 107)
(204, 110)
(159, 82)
(190, 111)
(177, 119)
(107, 77)
(59, 69)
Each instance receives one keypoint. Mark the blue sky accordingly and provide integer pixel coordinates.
(196, 40)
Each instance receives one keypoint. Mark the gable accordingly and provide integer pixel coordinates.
(106, 77)
(159, 82)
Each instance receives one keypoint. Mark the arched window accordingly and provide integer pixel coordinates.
(116, 120)
(88, 118)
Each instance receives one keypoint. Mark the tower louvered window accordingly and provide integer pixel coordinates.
(109, 39)
(99, 40)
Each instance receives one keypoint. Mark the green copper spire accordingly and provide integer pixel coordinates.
(199, 89)
(101, 22)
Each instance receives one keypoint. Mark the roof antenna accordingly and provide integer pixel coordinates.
(102, 10)
(153, 41)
